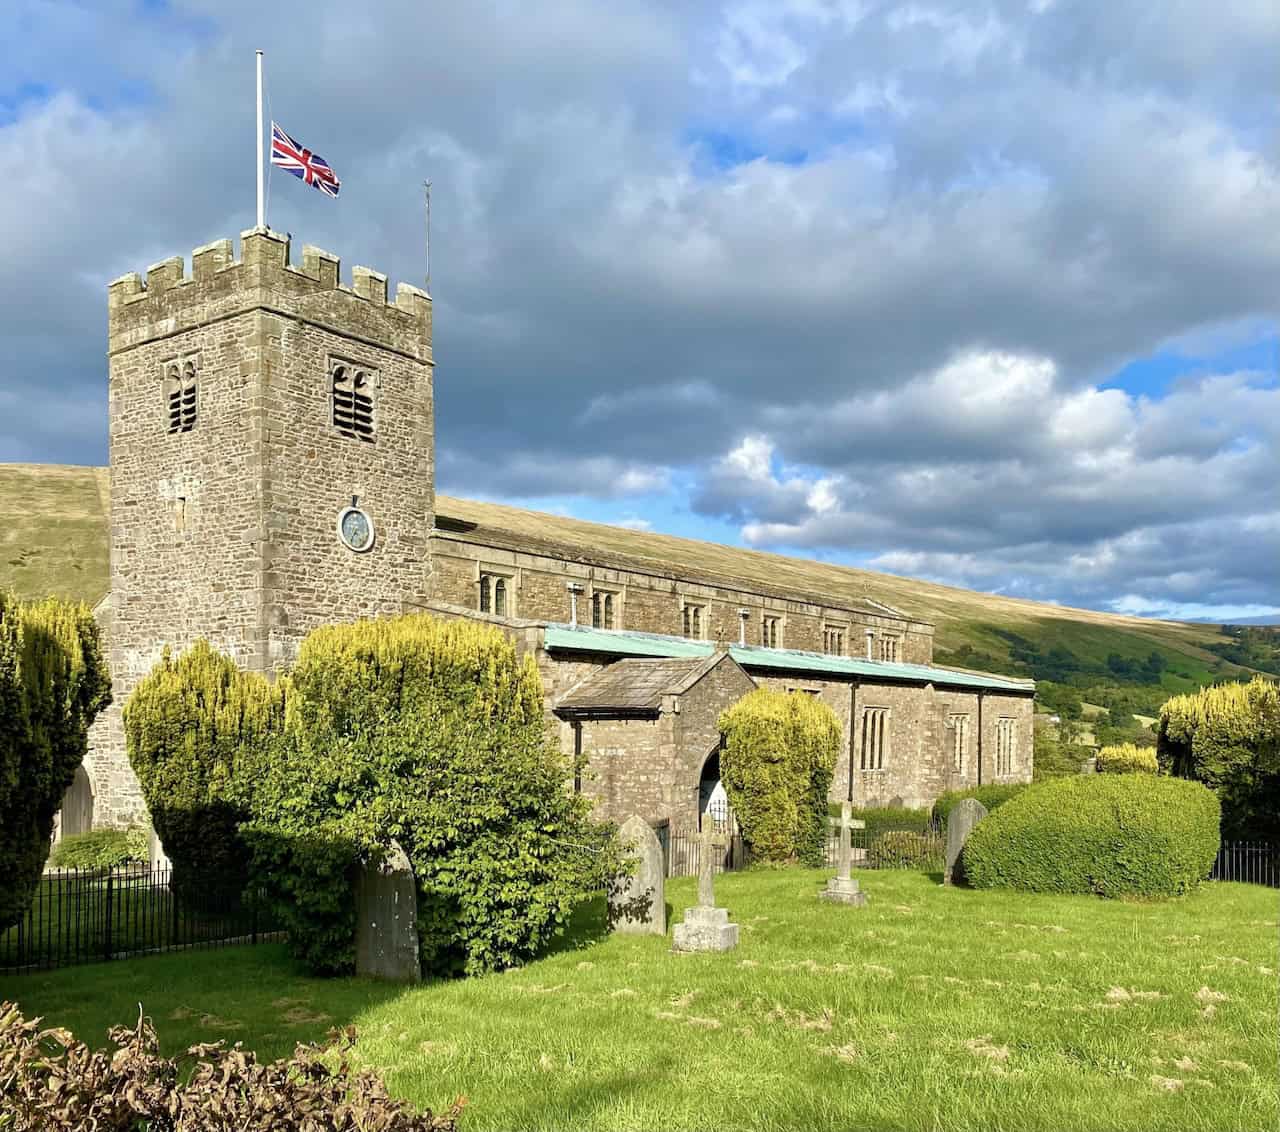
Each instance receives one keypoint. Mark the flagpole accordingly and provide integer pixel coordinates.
(426, 185)
(262, 218)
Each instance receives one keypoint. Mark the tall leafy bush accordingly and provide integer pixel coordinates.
(1126, 758)
(433, 734)
(1228, 737)
(778, 760)
(53, 683)
(1109, 834)
(196, 729)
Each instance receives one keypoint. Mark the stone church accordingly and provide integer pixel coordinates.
(273, 469)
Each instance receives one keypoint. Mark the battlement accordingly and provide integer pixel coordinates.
(263, 276)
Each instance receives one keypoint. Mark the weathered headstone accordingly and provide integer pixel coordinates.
(965, 814)
(842, 888)
(706, 927)
(387, 920)
(637, 901)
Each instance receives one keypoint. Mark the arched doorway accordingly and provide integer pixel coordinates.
(713, 802)
(76, 813)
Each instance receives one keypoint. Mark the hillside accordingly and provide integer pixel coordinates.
(55, 540)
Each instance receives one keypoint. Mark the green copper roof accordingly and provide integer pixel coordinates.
(618, 643)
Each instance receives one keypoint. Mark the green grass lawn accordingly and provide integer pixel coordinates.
(931, 1008)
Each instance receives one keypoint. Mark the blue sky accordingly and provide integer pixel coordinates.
(979, 291)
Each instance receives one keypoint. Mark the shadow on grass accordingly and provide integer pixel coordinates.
(585, 928)
(571, 1106)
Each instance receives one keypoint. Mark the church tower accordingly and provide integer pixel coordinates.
(272, 459)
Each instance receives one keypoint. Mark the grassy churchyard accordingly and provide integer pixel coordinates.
(930, 1008)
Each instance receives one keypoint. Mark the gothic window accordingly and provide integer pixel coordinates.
(351, 395)
(769, 631)
(888, 648)
(1005, 735)
(694, 616)
(602, 603)
(833, 640)
(494, 591)
(180, 395)
(958, 723)
(875, 738)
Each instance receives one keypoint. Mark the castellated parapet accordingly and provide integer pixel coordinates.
(251, 403)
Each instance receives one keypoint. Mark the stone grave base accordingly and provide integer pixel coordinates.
(840, 891)
(706, 929)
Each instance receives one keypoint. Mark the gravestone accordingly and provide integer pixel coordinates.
(387, 919)
(706, 927)
(842, 888)
(965, 814)
(637, 901)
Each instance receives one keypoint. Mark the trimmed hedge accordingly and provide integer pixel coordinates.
(1127, 758)
(777, 763)
(1110, 834)
(100, 849)
(993, 797)
(885, 819)
(53, 683)
(901, 849)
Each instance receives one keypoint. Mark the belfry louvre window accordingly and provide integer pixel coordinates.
(889, 649)
(1005, 743)
(351, 394)
(769, 631)
(875, 738)
(602, 606)
(693, 619)
(493, 594)
(833, 640)
(180, 396)
(959, 725)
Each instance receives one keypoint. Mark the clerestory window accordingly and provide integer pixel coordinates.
(694, 618)
(833, 640)
(493, 594)
(769, 631)
(602, 609)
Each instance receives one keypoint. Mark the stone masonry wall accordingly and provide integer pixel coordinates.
(652, 603)
(229, 531)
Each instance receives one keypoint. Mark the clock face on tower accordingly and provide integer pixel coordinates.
(355, 528)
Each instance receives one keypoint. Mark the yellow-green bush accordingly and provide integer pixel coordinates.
(53, 683)
(1127, 758)
(189, 726)
(431, 733)
(1228, 737)
(1109, 834)
(778, 759)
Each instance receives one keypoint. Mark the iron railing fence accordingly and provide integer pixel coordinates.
(89, 915)
(1251, 862)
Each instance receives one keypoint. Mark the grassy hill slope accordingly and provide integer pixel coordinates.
(53, 539)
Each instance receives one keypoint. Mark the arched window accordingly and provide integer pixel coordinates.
(486, 593)
(500, 596)
(608, 611)
(601, 609)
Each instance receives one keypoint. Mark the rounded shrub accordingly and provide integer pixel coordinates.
(1127, 758)
(1110, 834)
(777, 763)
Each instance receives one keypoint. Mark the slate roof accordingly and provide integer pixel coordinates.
(615, 642)
(635, 686)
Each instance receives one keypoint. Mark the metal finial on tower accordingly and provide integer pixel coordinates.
(426, 187)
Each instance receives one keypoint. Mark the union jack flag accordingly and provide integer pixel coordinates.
(301, 162)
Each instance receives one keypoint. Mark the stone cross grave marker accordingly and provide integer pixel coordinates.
(637, 901)
(706, 927)
(965, 814)
(387, 919)
(842, 888)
